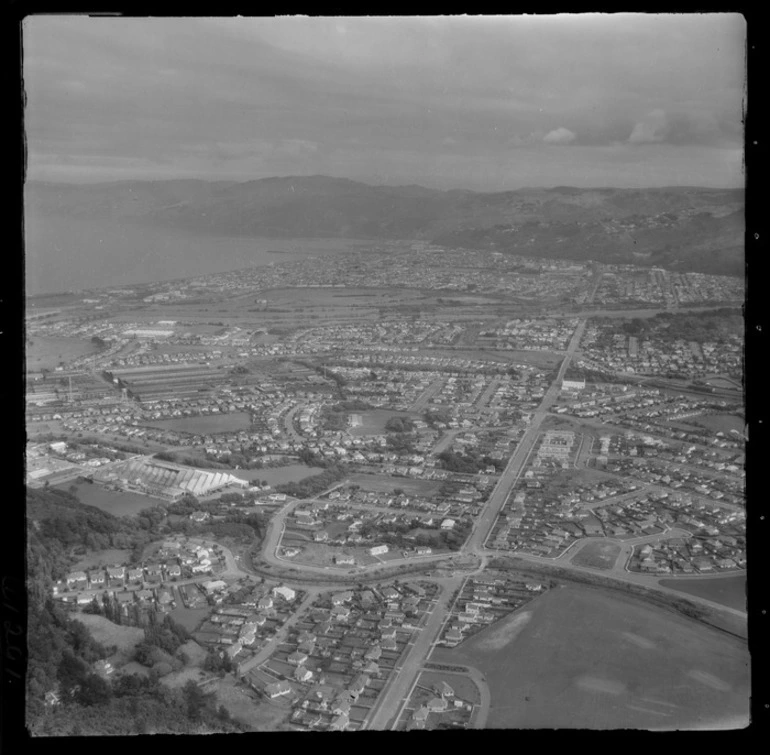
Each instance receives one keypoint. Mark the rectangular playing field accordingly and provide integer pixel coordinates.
(581, 658)
(113, 502)
(211, 424)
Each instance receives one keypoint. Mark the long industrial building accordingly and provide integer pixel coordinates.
(165, 480)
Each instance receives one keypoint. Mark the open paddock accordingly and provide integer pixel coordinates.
(190, 618)
(318, 554)
(720, 423)
(246, 706)
(107, 633)
(729, 591)
(373, 421)
(597, 554)
(109, 557)
(111, 501)
(48, 352)
(584, 658)
(386, 484)
(211, 424)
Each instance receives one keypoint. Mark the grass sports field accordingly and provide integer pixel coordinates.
(580, 658)
(119, 504)
(729, 591)
(206, 425)
(597, 554)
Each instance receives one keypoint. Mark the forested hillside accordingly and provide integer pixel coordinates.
(62, 653)
(680, 228)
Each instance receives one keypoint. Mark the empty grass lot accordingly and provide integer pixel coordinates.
(597, 554)
(729, 591)
(588, 659)
(107, 633)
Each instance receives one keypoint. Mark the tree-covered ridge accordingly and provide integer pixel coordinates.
(62, 653)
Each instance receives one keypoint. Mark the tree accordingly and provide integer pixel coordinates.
(195, 700)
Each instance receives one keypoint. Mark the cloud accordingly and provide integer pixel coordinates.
(560, 136)
(652, 129)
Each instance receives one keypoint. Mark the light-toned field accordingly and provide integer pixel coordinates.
(729, 591)
(107, 633)
(111, 501)
(206, 425)
(588, 659)
(597, 554)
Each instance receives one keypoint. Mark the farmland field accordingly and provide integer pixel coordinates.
(207, 424)
(580, 658)
(597, 554)
(113, 502)
(730, 591)
(46, 352)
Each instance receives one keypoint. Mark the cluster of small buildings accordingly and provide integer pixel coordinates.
(609, 350)
(436, 705)
(341, 653)
(346, 535)
(176, 561)
(246, 617)
(484, 600)
(628, 285)
(531, 334)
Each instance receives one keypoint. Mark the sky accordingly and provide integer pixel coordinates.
(484, 103)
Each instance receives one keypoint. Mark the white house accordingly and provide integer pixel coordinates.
(285, 592)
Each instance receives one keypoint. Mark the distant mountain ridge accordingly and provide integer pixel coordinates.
(681, 228)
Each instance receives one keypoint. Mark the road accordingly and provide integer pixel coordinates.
(401, 682)
(269, 648)
(427, 395)
(514, 468)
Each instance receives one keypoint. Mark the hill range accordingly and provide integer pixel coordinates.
(679, 228)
